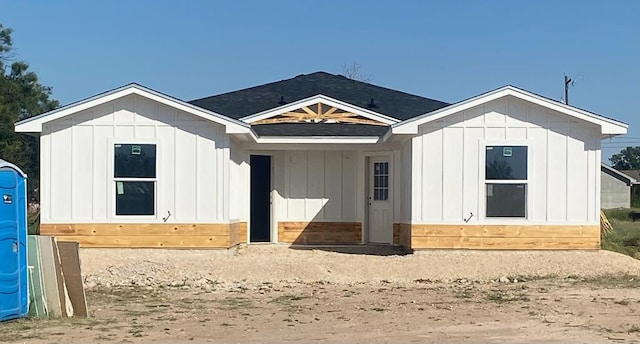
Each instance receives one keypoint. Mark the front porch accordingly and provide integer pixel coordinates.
(335, 196)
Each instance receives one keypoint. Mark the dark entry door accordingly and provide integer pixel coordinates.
(260, 198)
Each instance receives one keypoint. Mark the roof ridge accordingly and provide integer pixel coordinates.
(315, 73)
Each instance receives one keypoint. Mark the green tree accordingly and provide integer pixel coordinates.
(21, 96)
(627, 159)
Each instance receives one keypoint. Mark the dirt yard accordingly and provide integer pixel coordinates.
(341, 298)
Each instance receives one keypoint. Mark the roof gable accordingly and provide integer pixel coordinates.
(319, 109)
(391, 103)
(34, 124)
(608, 126)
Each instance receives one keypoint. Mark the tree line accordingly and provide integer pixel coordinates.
(21, 96)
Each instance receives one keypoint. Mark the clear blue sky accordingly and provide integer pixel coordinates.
(447, 50)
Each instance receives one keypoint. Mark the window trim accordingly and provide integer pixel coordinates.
(113, 179)
(380, 187)
(483, 181)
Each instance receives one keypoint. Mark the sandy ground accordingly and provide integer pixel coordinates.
(273, 263)
(275, 295)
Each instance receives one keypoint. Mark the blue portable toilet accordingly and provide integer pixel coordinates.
(13, 242)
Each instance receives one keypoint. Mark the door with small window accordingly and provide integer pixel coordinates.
(380, 201)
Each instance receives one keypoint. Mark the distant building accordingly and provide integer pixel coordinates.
(616, 187)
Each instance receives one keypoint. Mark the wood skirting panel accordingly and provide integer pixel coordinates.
(402, 234)
(505, 237)
(319, 233)
(238, 233)
(396, 234)
(149, 235)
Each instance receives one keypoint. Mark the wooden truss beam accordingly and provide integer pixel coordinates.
(308, 115)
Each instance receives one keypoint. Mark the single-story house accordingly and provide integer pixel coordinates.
(635, 187)
(321, 159)
(615, 188)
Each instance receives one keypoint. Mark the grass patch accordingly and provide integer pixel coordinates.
(503, 296)
(611, 281)
(21, 329)
(620, 214)
(465, 293)
(24, 330)
(124, 295)
(235, 303)
(288, 299)
(33, 223)
(625, 237)
(349, 293)
(287, 302)
(187, 303)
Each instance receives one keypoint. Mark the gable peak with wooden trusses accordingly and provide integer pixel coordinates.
(320, 109)
(319, 113)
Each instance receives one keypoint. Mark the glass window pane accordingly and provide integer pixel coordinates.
(134, 161)
(135, 198)
(506, 162)
(506, 200)
(380, 181)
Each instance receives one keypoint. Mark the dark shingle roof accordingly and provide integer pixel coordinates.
(256, 99)
(319, 129)
(635, 174)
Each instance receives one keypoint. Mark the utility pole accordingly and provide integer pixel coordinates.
(567, 81)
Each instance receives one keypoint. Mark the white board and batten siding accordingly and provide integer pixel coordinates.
(192, 163)
(316, 185)
(447, 165)
(405, 182)
(327, 185)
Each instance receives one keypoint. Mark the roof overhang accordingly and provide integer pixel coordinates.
(617, 174)
(34, 124)
(324, 100)
(318, 139)
(609, 127)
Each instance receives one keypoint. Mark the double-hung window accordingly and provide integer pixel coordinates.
(135, 179)
(506, 181)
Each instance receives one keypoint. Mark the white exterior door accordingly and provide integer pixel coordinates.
(380, 201)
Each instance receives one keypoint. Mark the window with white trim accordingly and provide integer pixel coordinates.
(380, 181)
(506, 181)
(134, 172)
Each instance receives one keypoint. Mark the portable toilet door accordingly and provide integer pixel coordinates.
(13, 242)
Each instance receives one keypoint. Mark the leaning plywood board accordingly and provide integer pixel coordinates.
(67, 307)
(70, 261)
(37, 300)
(52, 277)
